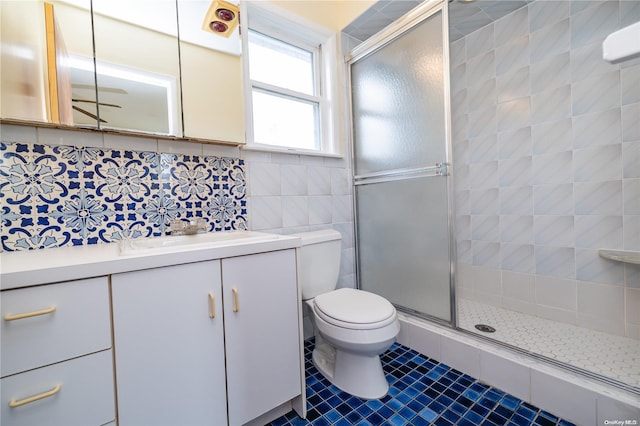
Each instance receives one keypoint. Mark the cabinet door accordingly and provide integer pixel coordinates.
(262, 333)
(169, 352)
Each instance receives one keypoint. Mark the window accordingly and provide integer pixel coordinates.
(290, 71)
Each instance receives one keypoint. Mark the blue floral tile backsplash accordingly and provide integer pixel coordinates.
(55, 195)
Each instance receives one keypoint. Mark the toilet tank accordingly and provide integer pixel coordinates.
(319, 262)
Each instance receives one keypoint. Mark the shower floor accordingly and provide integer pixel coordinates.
(608, 355)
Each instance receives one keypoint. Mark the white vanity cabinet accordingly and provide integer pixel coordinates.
(169, 345)
(195, 339)
(56, 362)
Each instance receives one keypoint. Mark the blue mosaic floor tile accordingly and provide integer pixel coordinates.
(422, 392)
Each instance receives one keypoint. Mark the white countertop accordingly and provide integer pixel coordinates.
(34, 267)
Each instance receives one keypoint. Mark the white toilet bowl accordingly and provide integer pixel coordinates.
(352, 328)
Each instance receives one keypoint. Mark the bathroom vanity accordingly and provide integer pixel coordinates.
(200, 331)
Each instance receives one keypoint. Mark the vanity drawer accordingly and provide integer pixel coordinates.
(85, 395)
(60, 321)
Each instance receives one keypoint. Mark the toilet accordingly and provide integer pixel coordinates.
(352, 327)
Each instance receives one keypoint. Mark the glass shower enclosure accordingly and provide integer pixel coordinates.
(401, 153)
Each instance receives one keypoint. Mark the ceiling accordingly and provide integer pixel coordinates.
(465, 17)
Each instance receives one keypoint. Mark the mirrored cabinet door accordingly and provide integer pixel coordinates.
(137, 65)
(211, 65)
(46, 62)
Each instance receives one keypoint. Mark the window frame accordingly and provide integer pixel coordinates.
(272, 21)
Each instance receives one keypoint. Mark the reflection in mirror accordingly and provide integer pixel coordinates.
(39, 43)
(137, 65)
(212, 98)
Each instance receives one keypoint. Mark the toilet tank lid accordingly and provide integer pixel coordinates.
(315, 237)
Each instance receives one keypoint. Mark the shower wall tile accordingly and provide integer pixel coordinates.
(631, 122)
(551, 73)
(484, 175)
(597, 164)
(515, 172)
(513, 114)
(601, 307)
(630, 84)
(631, 190)
(631, 239)
(604, 198)
(481, 94)
(516, 229)
(550, 40)
(483, 41)
(485, 228)
(484, 202)
(596, 93)
(603, 128)
(546, 13)
(598, 232)
(463, 227)
(553, 199)
(551, 105)
(553, 168)
(556, 293)
(483, 149)
(513, 55)
(514, 143)
(587, 62)
(513, 85)
(486, 254)
(631, 159)
(457, 52)
(555, 261)
(513, 27)
(552, 136)
(555, 231)
(517, 258)
(482, 122)
(482, 67)
(518, 201)
(594, 23)
(629, 13)
(590, 267)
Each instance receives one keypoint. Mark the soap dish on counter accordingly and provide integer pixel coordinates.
(626, 256)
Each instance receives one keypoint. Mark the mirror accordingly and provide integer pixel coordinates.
(137, 65)
(147, 81)
(211, 77)
(39, 43)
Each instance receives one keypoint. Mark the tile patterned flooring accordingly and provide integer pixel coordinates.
(609, 355)
(422, 392)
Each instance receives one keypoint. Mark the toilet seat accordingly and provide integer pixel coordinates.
(354, 309)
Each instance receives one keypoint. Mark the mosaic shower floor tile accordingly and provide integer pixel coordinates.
(422, 391)
(612, 356)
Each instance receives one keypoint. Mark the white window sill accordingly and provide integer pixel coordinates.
(283, 150)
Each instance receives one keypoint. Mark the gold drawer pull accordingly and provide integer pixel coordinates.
(236, 306)
(13, 403)
(9, 317)
(212, 306)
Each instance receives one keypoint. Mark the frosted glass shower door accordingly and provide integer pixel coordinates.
(400, 174)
